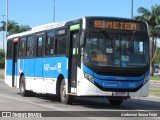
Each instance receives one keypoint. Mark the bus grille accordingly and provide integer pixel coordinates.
(119, 73)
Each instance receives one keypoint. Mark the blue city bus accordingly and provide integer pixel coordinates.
(91, 56)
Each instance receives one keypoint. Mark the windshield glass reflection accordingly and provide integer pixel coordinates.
(118, 50)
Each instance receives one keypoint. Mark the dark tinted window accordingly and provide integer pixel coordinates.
(49, 44)
(30, 46)
(39, 46)
(22, 47)
(9, 49)
(61, 44)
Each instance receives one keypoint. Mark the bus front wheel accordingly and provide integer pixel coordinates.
(65, 99)
(22, 88)
(115, 102)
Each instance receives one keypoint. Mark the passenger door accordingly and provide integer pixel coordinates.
(14, 63)
(72, 64)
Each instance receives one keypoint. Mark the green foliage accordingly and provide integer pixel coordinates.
(13, 27)
(157, 59)
(154, 92)
(152, 17)
(155, 78)
(2, 59)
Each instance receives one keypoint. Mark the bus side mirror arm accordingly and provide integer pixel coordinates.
(81, 40)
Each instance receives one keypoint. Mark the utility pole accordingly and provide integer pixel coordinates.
(54, 11)
(3, 31)
(6, 22)
(132, 9)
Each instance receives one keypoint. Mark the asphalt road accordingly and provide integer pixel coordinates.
(11, 100)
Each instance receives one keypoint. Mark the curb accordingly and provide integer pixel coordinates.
(155, 81)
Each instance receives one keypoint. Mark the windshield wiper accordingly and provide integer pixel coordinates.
(103, 31)
(131, 38)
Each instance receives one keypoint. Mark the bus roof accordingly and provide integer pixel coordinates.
(61, 24)
(38, 29)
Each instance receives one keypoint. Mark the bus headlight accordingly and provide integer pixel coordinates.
(89, 77)
(146, 79)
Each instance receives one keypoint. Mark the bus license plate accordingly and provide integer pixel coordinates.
(120, 94)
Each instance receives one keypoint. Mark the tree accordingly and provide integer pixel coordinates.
(152, 17)
(2, 59)
(157, 59)
(13, 27)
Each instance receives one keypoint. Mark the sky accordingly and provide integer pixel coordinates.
(38, 12)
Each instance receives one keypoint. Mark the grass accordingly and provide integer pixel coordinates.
(1, 73)
(155, 78)
(154, 92)
(1, 76)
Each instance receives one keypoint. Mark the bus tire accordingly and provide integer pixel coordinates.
(22, 87)
(115, 102)
(65, 99)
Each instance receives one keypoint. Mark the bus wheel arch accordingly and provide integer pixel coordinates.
(22, 87)
(20, 76)
(61, 90)
(65, 98)
(58, 84)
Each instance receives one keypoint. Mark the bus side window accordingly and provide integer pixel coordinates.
(49, 44)
(61, 45)
(22, 47)
(9, 49)
(30, 46)
(39, 46)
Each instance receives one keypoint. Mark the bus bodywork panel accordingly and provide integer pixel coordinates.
(38, 72)
(44, 67)
(11, 73)
(86, 88)
(91, 88)
(9, 67)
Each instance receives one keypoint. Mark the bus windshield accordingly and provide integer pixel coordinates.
(116, 49)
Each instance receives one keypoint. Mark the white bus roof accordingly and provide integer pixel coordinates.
(38, 29)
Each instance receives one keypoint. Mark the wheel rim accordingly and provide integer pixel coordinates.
(22, 87)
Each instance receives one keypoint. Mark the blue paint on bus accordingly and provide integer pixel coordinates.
(9, 67)
(147, 73)
(118, 84)
(41, 67)
(116, 81)
(52, 67)
(117, 77)
(87, 70)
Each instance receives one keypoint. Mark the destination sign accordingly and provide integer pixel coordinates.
(118, 25)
